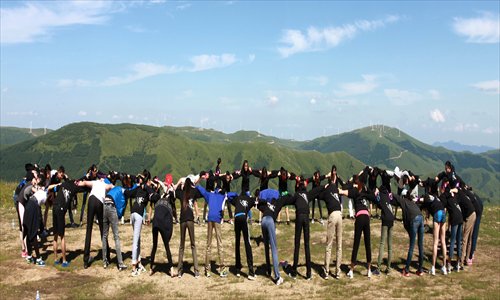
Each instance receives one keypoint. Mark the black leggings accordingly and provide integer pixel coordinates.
(33, 243)
(361, 225)
(241, 225)
(319, 208)
(302, 222)
(95, 209)
(166, 234)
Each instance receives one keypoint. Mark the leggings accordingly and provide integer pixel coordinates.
(361, 225)
(166, 234)
(189, 226)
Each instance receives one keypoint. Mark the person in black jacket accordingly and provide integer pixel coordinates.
(413, 221)
(449, 199)
(478, 205)
(315, 181)
(361, 198)
(383, 201)
(469, 215)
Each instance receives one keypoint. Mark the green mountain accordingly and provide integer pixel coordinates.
(14, 135)
(182, 150)
(131, 148)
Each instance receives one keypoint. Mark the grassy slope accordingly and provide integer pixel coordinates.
(13, 135)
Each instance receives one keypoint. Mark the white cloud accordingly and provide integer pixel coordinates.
(437, 116)
(320, 39)
(319, 80)
(313, 101)
(136, 28)
(358, 88)
(272, 100)
(491, 86)
(5, 90)
(461, 127)
(251, 58)
(66, 83)
(130, 117)
(23, 113)
(183, 6)
(33, 21)
(206, 61)
(401, 97)
(484, 29)
(140, 71)
(490, 130)
(115, 117)
(434, 94)
(82, 113)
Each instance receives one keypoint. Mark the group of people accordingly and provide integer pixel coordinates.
(446, 194)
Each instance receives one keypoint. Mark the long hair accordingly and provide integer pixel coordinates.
(187, 191)
(359, 182)
(245, 162)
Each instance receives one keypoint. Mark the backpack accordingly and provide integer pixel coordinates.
(18, 189)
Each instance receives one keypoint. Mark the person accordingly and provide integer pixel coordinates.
(225, 187)
(301, 200)
(315, 180)
(95, 209)
(187, 224)
(32, 220)
(449, 173)
(469, 216)
(242, 205)
(455, 221)
(64, 193)
(283, 177)
(264, 175)
(435, 207)
(110, 218)
(194, 179)
(361, 198)
(478, 206)
(245, 172)
(216, 201)
(20, 207)
(163, 223)
(330, 195)
(383, 201)
(141, 197)
(270, 203)
(333, 178)
(413, 222)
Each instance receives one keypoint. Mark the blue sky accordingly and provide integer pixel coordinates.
(289, 69)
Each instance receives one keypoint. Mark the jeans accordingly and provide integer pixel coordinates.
(111, 218)
(136, 241)
(241, 226)
(189, 226)
(475, 233)
(456, 235)
(302, 223)
(333, 229)
(386, 235)
(417, 227)
(269, 235)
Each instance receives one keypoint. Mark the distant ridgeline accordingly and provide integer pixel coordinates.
(183, 150)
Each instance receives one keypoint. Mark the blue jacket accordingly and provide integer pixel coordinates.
(117, 193)
(268, 195)
(215, 203)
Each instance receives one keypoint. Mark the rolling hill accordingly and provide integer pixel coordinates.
(183, 150)
(13, 135)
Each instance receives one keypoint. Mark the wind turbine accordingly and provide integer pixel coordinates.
(31, 127)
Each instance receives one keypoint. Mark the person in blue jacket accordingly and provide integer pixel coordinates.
(216, 202)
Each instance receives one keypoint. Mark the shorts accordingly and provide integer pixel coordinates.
(439, 216)
(59, 220)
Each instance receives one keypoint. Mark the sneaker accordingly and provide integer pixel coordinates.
(231, 222)
(312, 221)
(40, 263)
(179, 274)
(65, 264)
(74, 225)
(251, 277)
(450, 268)
(238, 274)
(325, 274)
(336, 276)
(376, 272)
(433, 271)
(369, 273)
(350, 274)
(57, 262)
(135, 272)
(24, 254)
(405, 273)
(443, 270)
(172, 272)
(29, 260)
(279, 281)
(207, 274)
(122, 267)
(141, 268)
(105, 264)
(196, 274)
(469, 262)
(308, 278)
(420, 273)
(458, 267)
(223, 273)
(321, 222)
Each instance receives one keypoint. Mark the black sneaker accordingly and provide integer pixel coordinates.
(376, 272)
(105, 264)
(122, 267)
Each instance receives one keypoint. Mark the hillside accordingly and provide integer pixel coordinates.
(14, 135)
(131, 148)
(455, 146)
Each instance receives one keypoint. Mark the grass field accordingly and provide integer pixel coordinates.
(20, 280)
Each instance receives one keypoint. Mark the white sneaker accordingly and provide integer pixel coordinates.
(450, 268)
(458, 267)
(369, 273)
(279, 281)
(350, 274)
(433, 271)
(443, 270)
